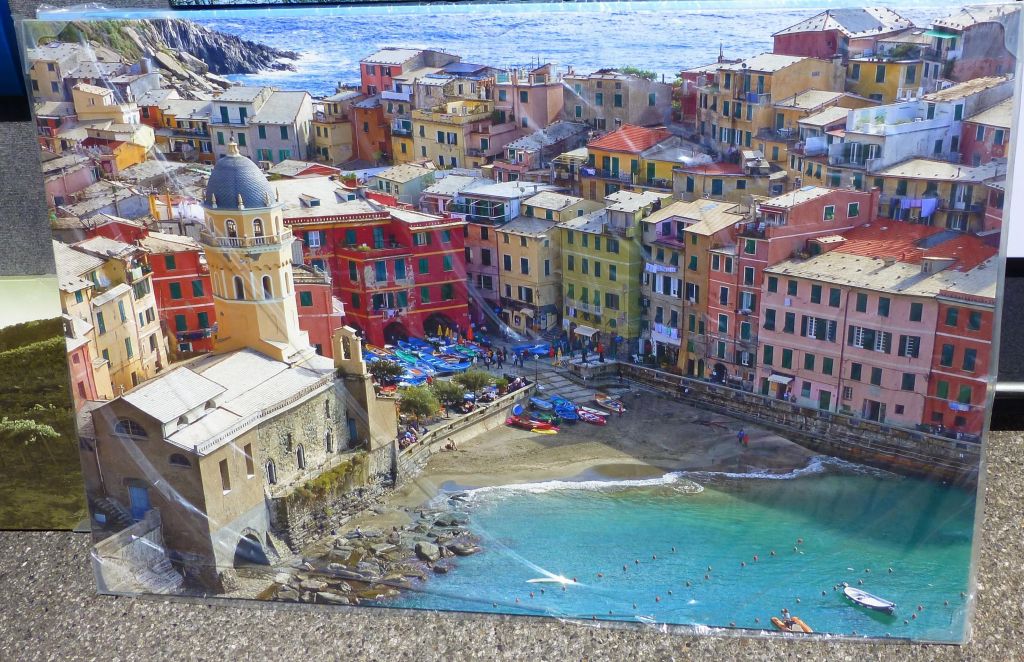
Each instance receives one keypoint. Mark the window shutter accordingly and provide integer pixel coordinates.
(832, 327)
(803, 326)
(902, 351)
(849, 335)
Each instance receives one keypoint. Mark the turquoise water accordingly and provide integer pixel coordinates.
(848, 521)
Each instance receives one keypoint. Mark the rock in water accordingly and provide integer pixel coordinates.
(451, 519)
(223, 53)
(464, 550)
(428, 551)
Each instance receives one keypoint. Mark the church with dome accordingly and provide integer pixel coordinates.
(206, 457)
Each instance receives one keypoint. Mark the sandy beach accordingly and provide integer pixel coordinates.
(656, 435)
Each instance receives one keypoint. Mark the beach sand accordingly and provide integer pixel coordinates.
(656, 435)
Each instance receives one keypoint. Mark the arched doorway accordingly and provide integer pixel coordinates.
(718, 372)
(439, 325)
(394, 332)
(249, 551)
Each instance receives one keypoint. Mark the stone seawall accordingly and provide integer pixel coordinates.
(874, 444)
(459, 429)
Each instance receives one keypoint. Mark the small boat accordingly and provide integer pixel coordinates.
(601, 413)
(792, 624)
(559, 401)
(592, 418)
(608, 402)
(867, 600)
(545, 417)
(541, 403)
(531, 425)
(537, 349)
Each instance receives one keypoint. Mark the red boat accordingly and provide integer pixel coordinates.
(592, 418)
(529, 424)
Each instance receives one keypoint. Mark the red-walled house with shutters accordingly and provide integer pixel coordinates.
(986, 135)
(398, 272)
(320, 314)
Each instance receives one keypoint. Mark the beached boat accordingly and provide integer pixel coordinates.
(592, 418)
(595, 412)
(529, 424)
(608, 402)
(565, 408)
(793, 624)
(867, 600)
(541, 403)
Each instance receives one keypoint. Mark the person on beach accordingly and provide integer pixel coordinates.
(740, 435)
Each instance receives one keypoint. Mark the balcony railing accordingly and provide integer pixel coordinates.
(245, 242)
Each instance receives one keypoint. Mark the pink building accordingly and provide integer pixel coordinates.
(320, 314)
(782, 226)
(839, 32)
(852, 329)
(532, 98)
(66, 176)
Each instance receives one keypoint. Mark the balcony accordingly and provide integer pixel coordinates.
(190, 133)
(480, 213)
(754, 231)
(269, 241)
(778, 135)
(330, 118)
(474, 151)
(373, 283)
(962, 205)
(613, 175)
(666, 334)
(399, 130)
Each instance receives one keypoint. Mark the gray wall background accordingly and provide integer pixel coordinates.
(73, 616)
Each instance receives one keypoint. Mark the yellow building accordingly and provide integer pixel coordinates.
(184, 132)
(107, 284)
(249, 253)
(899, 73)
(98, 103)
(557, 207)
(602, 259)
(618, 160)
(453, 135)
(942, 194)
(730, 182)
(529, 276)
(333, 142)
(737, 101)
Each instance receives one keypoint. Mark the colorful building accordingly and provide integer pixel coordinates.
(529, 158)
(184, 294)
(855, 328)
(973, 41)
(333, 129)
(183, 131)
(51, 118)
(737, 183)
(378, 71)
(108, 286)
(320, 314)
(616, 161)
(607, 99)
(986, 134)
(529, 281)
(532, 98)
(839, 32)
(405, 181)
(460, 134)
(398, 272)
(602, 259)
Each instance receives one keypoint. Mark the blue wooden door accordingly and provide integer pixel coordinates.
(139, 497)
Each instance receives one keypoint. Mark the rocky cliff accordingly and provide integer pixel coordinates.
(220, 53)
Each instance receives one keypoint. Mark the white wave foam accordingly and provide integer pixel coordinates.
(674, 478)
(817, 465)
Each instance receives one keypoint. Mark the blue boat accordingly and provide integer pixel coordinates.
(565, 408)
(541, 403)
(442, 365)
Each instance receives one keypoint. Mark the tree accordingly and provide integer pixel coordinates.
(418, 402)
(26, 433)
(448, 392)
(386, 372)
(474, 380)
(636, 71)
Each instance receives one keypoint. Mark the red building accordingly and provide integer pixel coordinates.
(398, 272)
(986, 135)
(372, 139)
(184, 295)
(83, 377)
(961, 361)
(320, 314)
(839, 32)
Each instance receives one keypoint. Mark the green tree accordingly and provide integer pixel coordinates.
(27, 433)
(386, 372)
(448, 392)
(418, 402)
(637, 71)
(474, 380)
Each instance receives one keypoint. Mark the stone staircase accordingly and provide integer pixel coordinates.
(160, 578)
(117, 515)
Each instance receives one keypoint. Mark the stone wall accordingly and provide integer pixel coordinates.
(895, 449)
(301, 515)
(459, 429)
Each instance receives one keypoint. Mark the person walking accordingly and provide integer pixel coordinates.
(499, 359)
(739, 435)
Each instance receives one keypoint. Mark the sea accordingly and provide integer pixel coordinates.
(659, 551)
(663, 37)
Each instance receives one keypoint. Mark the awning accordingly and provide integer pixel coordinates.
(940, 35)
(780, 379)
(584, 330)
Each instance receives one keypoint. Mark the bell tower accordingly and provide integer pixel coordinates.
(248, 250)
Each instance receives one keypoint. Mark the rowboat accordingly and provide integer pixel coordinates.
(601, 413)
(542, 404)
(545, 417)
(592, 418)
(867, 600)
(608, 402)
(792, 624)
(565, 409)
(531, 425)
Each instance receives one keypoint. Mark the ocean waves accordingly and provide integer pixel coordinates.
(674, 479)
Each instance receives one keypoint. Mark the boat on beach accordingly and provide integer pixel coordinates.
(608, 402)
(791, 624)
(601, 413)
(588, 416)
(541, 404)
(867, 600)
(529, 424)
(565, 409)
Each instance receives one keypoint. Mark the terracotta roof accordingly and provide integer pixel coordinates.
(629, 138)
(910, 243)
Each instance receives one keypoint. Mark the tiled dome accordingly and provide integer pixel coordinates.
(236, 182)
